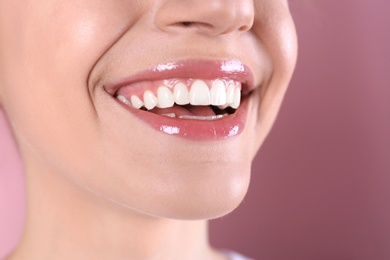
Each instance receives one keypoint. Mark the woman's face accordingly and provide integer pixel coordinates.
(65, 65)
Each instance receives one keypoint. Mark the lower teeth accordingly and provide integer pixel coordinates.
(197, 117)
(170, 115)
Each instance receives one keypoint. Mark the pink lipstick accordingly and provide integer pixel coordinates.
(212, 106)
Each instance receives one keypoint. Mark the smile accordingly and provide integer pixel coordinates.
(182, 98)
(198, 100)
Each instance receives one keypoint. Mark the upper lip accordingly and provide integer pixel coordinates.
(195, 69)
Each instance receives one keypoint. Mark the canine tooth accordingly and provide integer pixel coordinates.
(218, 93)
(123, 99)
(237, 98)
(181, 94)
(170, 115)
(199, 93)
(150, 100)
(164, 97)
(230, 94)
(136, 102)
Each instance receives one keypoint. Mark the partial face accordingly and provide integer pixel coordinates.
(159, 105)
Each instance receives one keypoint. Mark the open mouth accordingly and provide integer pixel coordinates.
(194, 99)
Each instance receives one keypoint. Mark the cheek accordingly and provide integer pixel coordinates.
(48, 49)
(275, 27)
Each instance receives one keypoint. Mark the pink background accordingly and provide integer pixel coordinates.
(321, 183)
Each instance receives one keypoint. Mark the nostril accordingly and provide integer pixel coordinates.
(194, 25)
(216, 17)
(244, 28)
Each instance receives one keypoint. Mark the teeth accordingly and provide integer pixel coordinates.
(237, 99)
(181, 94)
(136, 102)
(203, 117)
(218, 93)
(150, 100)
(170, 115)
(230, 94)
(165, 97)
(123, 99)
(199, 93)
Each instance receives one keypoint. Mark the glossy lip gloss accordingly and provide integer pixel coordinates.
(197, 130)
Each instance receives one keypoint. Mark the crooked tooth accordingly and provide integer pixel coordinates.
(136, 102)
(150, 100)
(199, 93)
(218, 93)
(123, 100)
(230, 94)
(181, 94)
(237, 98)
(203, 117)
(165, 97)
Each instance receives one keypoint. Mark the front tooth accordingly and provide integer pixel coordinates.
(218, 93)
(181, 94)
(237, 98)
(150, 100)
(165, 97)
(123, 99)
(230, 94)
(136, 102)
(199, 93)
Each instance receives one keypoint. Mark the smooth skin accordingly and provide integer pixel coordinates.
(100, 184)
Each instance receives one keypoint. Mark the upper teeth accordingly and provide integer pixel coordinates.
(220, 93)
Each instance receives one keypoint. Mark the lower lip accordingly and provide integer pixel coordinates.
(197, 130)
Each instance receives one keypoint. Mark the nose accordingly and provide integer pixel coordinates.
(212, 17)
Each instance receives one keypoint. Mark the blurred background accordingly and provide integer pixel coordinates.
(321, 183)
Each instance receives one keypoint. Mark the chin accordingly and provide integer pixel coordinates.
(205, 193)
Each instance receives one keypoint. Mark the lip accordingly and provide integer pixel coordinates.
(197, 130)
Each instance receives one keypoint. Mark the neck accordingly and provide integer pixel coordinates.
(64, 221)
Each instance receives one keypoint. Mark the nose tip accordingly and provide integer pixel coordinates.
(213, 17)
